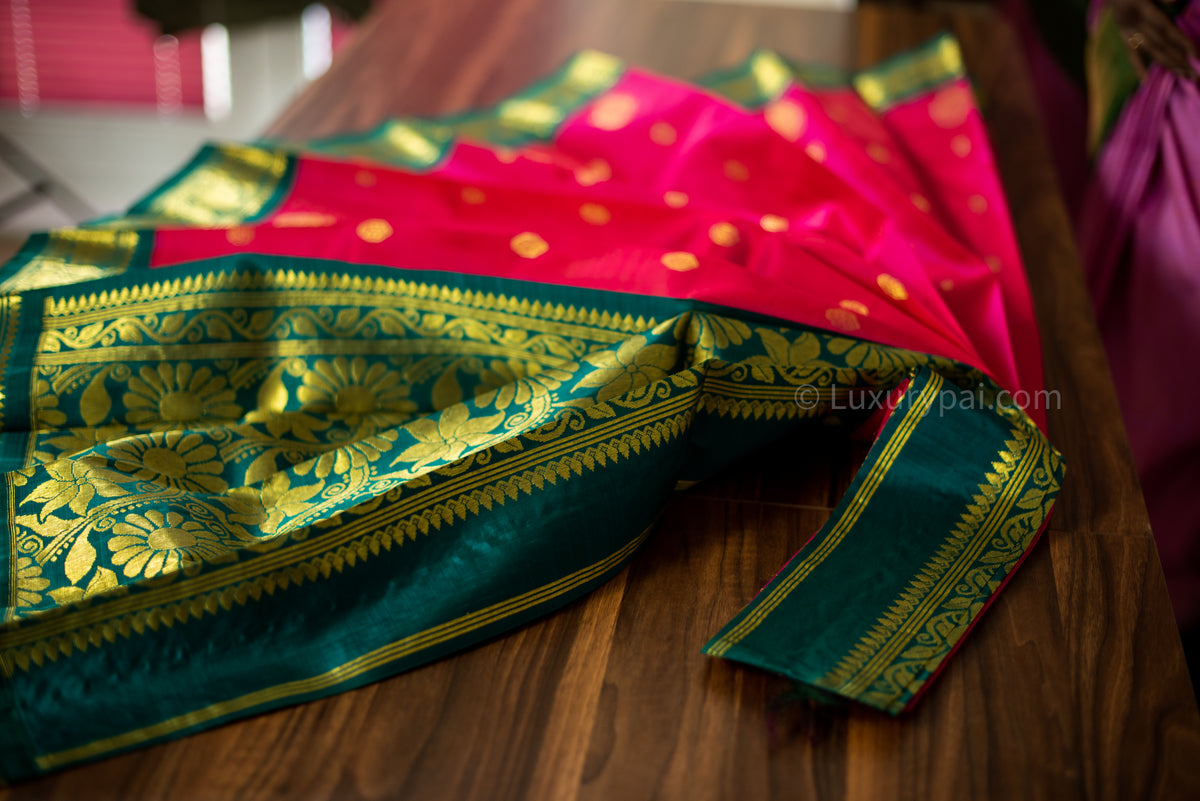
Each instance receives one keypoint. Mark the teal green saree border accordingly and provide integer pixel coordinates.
(74, 255)
(885, 636)
(378, 663)
(253, 182)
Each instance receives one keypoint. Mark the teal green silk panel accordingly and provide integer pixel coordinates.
(296, 538)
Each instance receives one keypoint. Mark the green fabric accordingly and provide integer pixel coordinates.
(279, 547)
(1112, 79)
(879, 637)
(335, 552)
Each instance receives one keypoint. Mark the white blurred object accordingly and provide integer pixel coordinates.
(215, 67)
(111, 158)
(316, 40)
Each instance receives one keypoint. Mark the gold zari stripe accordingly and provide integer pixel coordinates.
(872, 481)
(352, 669)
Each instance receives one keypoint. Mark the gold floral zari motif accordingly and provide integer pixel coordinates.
(270, 406)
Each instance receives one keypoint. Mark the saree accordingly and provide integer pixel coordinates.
(311, 414)
(1138, 235)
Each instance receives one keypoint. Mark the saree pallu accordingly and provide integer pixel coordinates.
(1139, 236)
(307, 416)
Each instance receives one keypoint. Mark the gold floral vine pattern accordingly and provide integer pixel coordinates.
(198, 444)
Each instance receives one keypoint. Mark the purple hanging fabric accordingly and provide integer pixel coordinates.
(1140, 237)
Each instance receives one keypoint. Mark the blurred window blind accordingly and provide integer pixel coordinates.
(100, 51)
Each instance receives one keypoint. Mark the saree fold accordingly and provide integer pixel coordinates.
(308, 416)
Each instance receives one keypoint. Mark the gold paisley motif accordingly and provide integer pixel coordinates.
(303, 219)
(613, 111)
(773, 223)
(879, 153)
(950, 106)
(528, 245)
(736, 171)
(680, 261)
(241, 235)
(663, 133)
(724, 234)
(676, 200)
(842, 319)
(374, 230)
(594, 172)
(855, 306)
(787, 119)
(594, 214)
(892, 287)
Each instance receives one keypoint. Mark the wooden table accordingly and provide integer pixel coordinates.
(1072, 686)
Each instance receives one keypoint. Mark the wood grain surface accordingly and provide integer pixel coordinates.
(1072, 686)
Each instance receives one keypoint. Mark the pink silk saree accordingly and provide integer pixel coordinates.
(310, 415)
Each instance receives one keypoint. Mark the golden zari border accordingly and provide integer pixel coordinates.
(10, 315)
(842, 527)
(355, 667)
(540, 111)
(327, 288)
(224, 185)
(888, 661)
(889, 83)
(551, 454)
(72, 255)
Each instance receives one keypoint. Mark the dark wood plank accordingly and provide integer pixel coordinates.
(440, 57)
(1134, 712)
